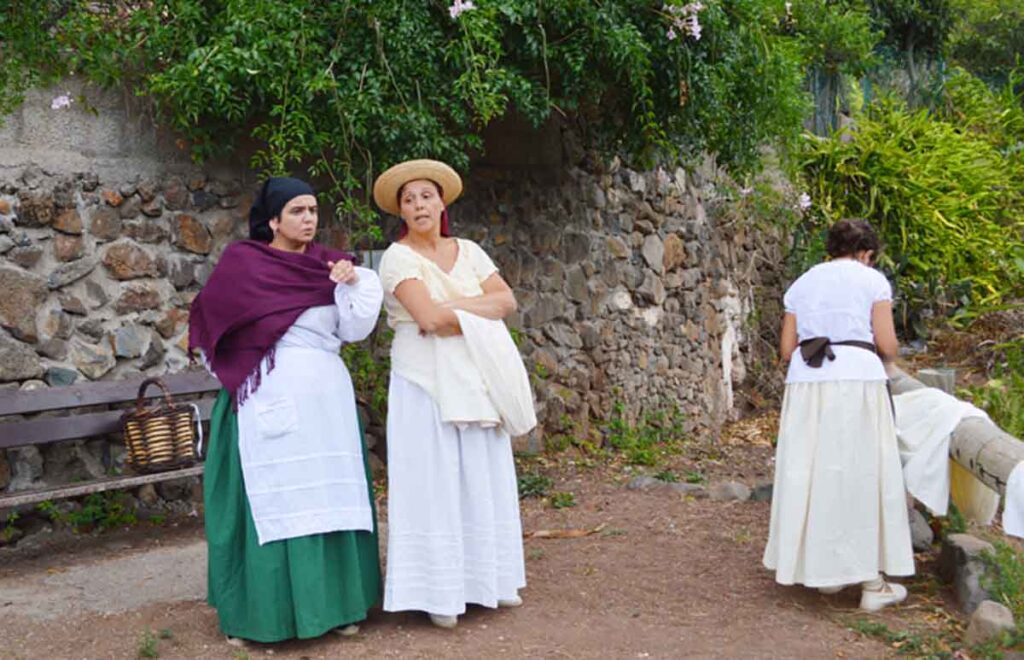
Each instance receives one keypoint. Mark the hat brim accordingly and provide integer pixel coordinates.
(387, 185)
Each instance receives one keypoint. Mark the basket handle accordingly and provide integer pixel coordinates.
(142, 392)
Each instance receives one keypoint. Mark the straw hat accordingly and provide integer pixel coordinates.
(387, 185)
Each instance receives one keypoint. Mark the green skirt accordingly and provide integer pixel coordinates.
(300, 587)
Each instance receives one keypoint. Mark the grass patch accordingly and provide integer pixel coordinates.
(534, 484)
(1004, 577)
(656, 436)
(563, 500)
(148, 646)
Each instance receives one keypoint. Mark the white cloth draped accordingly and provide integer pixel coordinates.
(925, 419)
(298, 433)
(1013, 513)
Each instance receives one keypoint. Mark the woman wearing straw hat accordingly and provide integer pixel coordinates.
(839, 511)
(290, 525)
(454, 534)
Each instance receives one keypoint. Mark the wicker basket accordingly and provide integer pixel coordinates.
(162, 436)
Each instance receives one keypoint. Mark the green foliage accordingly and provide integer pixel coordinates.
(148, 646)
(656, 436)
(534, 484)
(9, 531)
(349, 87)
(905, 642)
(104, 510)
(563, 500)
(988, 40)
(920, 27)
(1002, 397)
(696, 477)
(836, 36)
(369, 365)
(668, 476)
(945, 193)
(1004, 579)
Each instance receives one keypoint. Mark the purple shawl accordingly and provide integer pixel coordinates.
(253, 296)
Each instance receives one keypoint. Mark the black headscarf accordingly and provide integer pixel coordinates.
(275, 193)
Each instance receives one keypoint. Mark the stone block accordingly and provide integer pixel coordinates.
(70, 272)
(961, 565)
(105, 223)
(137, 297)
(67, 247)
(729, 491)
(126, 260)
(988, 622)
(23, 293)
(190, 234)
(921, 534)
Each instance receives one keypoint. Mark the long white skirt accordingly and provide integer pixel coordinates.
(454, 534)
(839, 509)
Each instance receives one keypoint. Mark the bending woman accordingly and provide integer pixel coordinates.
(454, 534)
(290, 524)
(839, 510)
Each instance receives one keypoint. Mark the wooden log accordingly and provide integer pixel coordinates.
(977, 444)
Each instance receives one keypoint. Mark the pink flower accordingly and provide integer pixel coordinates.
(459, 6)
(62, 101)
(671, 34)
(804, 201)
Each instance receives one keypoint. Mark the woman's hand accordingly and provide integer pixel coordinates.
(343, 272)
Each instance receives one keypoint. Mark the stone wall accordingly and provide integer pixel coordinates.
(635, 288)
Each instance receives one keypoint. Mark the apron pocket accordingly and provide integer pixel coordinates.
(276, 419)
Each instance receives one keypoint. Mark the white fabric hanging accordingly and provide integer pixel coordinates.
(925, 420)
(497, 359)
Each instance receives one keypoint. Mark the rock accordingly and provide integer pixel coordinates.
(154, 352)
(175, 194)
(576, 284)
(112, 197)
(53, 348)
(618, 248)
(652, 289)
(921, 534)
(762, 492)
(960, 564)
(5, 244)
(989, 621)
(729, 491)
(644, 482)
(23, 293)
(5, 207)
(60, 377)
(180, 271)
(675, 252)
(175, 489)
(170, 323)
(92, 328)
(17, 360)
(105, 223)
(71, 303)
(5, 472)
(69, 222)
(130, 209)
(129, 341)
(147, 231)
(137, 297)
(563, 335)
(57, 324)
(203, 200)
(692, 490)
(35, 209)
(26, 467)
(190, 234)
(126, 260)
(653, 251)
(97, 295)
(147, 495)
(545, 362)
(70, 272)
(68, 247)
(147, 191)
(25, 256)
(223, 225)
(620, 300)
(544, 309)
(93, 360)
(152, 209)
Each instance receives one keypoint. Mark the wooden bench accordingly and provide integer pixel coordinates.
(22, 425)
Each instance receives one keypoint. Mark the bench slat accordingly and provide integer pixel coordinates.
(97, 393)
(98, 486)
(73, 427)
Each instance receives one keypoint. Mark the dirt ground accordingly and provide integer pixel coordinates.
(665, 576)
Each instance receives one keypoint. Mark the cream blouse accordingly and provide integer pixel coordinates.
(416, 357)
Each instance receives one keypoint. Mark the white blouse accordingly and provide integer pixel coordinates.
(834, 300)
(298, 433)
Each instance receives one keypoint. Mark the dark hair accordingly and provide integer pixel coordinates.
(848, 237)
(261, 233)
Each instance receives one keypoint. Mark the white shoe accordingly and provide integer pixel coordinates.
(444, 620)
(237, 642)
(872, 600)
(347, 631)
(831, 590)
(515, 601)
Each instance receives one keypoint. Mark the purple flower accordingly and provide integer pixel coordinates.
(62, 101)
(671, 34)
(459, 6)
(804, 201)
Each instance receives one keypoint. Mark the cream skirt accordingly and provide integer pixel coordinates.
(839, 510)
(454, 534)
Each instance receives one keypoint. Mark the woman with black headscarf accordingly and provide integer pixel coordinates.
(290, 524)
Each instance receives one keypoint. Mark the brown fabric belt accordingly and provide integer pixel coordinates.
(816, 349)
